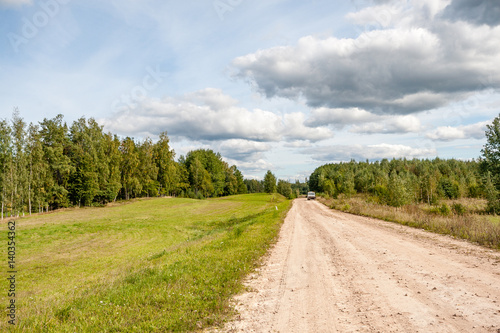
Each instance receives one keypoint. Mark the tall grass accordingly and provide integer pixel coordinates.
(157, 265)
(459, 218)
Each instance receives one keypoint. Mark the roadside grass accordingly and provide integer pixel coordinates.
(154, 265)
(461, 218)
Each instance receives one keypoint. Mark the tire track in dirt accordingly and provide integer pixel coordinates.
(336, 272)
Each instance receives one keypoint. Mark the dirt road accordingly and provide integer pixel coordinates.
(335, 272)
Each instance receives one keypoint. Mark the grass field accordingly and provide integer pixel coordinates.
(151, 265)
(461, 218)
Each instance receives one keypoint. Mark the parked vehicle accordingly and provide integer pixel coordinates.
(311, 195)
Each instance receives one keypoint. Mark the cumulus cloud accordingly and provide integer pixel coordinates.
(474, 11)
(257, 167)
(340, 153)
(390, 125)
(382, 15)
(210, 114)
(297, 144)
(412, 62)
(243, 150)
(296, 130)
(449, 133)
(362, 121)
(15, 3)
(339, 117)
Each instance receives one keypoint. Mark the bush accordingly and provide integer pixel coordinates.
(459, 209)
(444, 210)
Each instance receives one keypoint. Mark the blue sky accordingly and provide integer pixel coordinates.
(280, 85)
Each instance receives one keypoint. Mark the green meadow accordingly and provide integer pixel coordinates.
(149, 265)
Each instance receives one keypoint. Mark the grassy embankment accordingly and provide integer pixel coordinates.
(462, 218)
(148, 266)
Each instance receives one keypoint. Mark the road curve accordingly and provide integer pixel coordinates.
(336, 272)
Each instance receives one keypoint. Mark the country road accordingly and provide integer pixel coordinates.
(336, 272)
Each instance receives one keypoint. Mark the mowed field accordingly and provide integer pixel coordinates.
(150, 265)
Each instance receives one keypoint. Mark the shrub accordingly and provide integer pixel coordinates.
(459, 209)
(444, 210)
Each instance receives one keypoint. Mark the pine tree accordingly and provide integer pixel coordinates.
(85, 157)
(56, 146)
(241, 187)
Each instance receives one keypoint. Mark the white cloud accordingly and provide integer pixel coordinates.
(338, 153)
(449, 133)
(413, 62)
(381, 15)
(243, 150)
(296, 130)
(339, 117)
(390, 125)
(362, 121)
(210, 114)
(248, 169)
(297, 144)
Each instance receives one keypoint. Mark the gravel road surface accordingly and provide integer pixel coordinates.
(336, 272)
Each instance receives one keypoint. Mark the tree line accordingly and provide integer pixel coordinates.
(399, 182)
(51, 165)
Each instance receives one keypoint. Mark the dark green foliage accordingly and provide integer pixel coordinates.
(400, 182)
(254, 186)
(492, 194)
(459, 209)
(5, 163)
(285, 189)
(56, 147)
(269, 182)
(300, 188)
(491, 150)
(50, 166)
(490, 166)
(209, 175)
(445, 210)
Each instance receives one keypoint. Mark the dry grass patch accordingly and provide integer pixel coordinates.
(459, 218)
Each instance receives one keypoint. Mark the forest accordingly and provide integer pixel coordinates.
(51, 165)
(400, 182)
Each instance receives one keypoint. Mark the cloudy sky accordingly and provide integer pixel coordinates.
(285, 85)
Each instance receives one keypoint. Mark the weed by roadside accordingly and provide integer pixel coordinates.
(459, 218)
